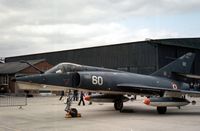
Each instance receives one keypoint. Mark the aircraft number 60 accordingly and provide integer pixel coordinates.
(97, 80)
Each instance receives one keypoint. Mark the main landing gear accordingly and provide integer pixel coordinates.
(71, 112)
(161, 110)
(118, 104)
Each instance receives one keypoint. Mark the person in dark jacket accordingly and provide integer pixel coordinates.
(75, 97)
(81, 99)
(61, 95)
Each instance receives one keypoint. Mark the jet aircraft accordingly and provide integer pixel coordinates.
(164, 88)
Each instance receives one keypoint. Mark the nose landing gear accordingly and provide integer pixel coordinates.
(71, 112)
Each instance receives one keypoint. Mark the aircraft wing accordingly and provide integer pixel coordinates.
(191, 93)
(144, 87)
(191, 76)
(154, 90)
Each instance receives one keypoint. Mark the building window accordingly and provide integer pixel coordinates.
(4, 80)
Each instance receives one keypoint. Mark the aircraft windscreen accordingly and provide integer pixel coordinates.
(64, 67)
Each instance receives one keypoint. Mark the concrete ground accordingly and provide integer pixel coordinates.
(47, 114)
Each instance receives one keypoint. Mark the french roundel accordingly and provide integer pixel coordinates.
(174, 86)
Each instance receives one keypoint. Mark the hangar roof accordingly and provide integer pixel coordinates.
(14, 67)
(182, 42)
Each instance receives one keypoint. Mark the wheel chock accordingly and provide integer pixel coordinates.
(79, 115)
(68, 115)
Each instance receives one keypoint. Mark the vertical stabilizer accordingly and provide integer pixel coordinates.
(181, 65)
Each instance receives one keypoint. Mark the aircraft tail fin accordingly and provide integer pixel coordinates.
(181, 65)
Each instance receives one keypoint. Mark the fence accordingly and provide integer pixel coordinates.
(13, 100)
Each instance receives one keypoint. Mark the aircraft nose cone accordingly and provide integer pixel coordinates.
(23, 79)
(32, 79)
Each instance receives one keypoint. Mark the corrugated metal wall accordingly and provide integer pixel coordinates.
(137, 57)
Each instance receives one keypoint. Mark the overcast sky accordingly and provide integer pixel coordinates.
(35, 26)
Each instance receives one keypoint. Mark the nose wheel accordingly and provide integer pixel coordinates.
(73, 112)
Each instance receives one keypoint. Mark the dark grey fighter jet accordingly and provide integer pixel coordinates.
(166, 87)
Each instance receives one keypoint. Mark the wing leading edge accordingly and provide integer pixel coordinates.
(153, 90)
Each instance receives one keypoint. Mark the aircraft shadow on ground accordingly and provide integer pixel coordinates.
(133, 111)
(154, 112)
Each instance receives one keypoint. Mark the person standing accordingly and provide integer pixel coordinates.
(75, 97)
(90, 102)
(61, 95)
(81, 99)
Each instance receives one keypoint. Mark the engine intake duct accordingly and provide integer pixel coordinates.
(75, 79)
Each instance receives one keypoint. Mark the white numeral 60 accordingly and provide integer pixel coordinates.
(97, 80)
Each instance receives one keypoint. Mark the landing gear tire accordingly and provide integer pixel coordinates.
(161, 110)
(118, 105)
(73, 112)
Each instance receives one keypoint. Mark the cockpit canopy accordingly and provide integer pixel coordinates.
(65, 67)
(71, 67)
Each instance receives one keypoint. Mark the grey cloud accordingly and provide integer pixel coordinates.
(89, 11)
(20, 20)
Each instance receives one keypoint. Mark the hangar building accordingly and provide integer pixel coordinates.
(142, 57)
(10, 70)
